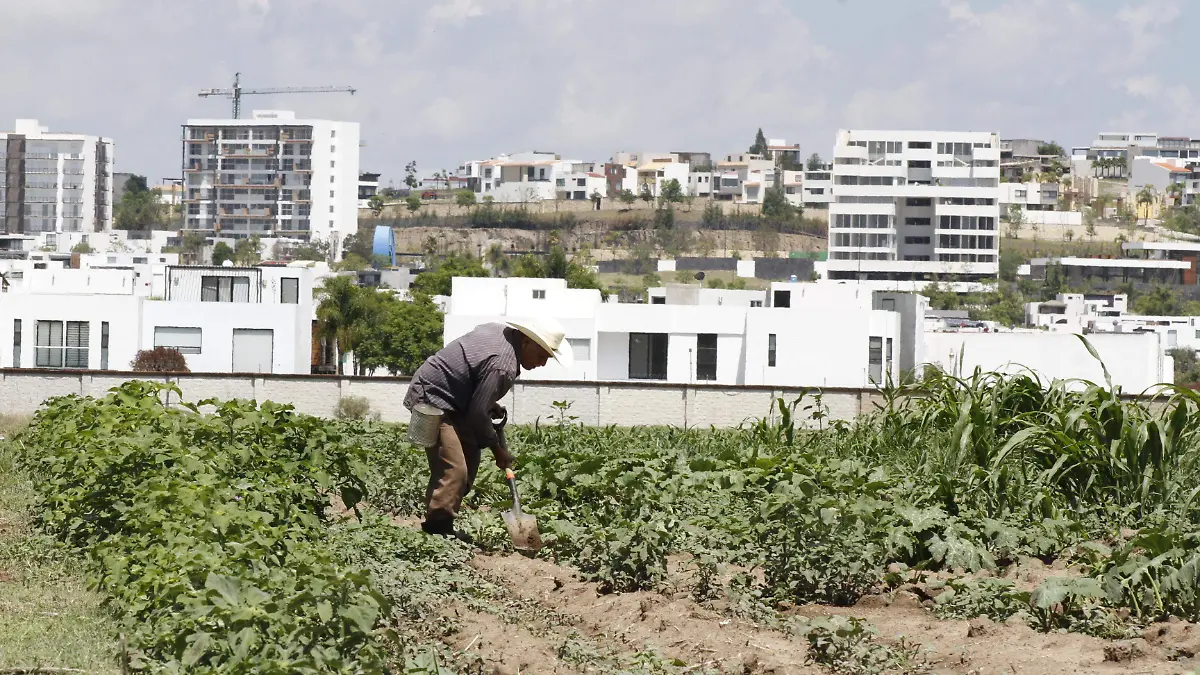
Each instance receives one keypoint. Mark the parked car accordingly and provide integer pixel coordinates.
(429, 194)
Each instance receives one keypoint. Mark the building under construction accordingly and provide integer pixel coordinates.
(271, 175)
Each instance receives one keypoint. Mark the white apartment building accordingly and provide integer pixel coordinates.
(520, 177)
(54, 182)
(912, 207)
(807, 335)
(1037, 204)
(272, 175)
(743, 177)
(817, 187)
(659, 170)
(222, 319)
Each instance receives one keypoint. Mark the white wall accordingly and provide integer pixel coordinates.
(122, 312)
(217, 321)
(1135, 361)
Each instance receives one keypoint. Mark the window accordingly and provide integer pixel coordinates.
(103, 345)
(17, 332)
(539, 294)
(181, 339)
(289, 290)
(758, 303)
(919, 145)
(581, 348)
(771, 350)
(706, 357)
(658, 300)
(224, 289)
(875, 359)
(916, 241)
(782, 299)
(918, 201)
(332, 164)
(333, 133)
(888, 305)
(51, 350)
(918, 164)
(647, 356)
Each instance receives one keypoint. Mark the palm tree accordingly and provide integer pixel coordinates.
(1145, 197)
(1175, 192)
(339, 314)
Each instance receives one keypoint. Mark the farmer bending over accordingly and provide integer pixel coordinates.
(465, 381)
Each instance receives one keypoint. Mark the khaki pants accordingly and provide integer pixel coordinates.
(453, 463)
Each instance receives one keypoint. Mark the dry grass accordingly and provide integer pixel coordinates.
(48, 618)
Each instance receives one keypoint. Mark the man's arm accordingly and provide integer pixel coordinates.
(494, 385)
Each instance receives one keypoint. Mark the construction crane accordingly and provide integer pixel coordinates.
(236, 92)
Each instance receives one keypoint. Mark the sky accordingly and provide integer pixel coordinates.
(444, 81)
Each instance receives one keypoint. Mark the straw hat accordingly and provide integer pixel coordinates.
(549, 334)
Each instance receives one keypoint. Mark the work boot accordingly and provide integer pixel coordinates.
(445, 528)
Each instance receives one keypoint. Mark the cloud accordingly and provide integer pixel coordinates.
(444, 81)
(456, 11)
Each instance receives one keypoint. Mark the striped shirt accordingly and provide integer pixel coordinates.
(468, 376)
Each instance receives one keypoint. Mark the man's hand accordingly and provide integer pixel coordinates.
(498, 412)
(503, 457)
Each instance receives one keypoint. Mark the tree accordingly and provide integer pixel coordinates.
(1015, 217)
(401, 335)
(1187, 366)
(159, 360)
(221, 252)
(557, 266)
(627, 197)
(375, 203)
(361, 243)
(647, 196)
(760, 144)
(140, 208)
(1051, 148)
(439, 281)
(775, 206)
(712, 217)
(672, 192)
(464, 198)
(248, 252)
(814, 162)
(1145, 198)
(340, 310)
(82, 247)
(316, 249)
(410, 175)
(413, 202)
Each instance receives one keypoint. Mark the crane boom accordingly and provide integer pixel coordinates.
(236, 92)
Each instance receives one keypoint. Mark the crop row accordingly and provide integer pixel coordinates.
(204, 530)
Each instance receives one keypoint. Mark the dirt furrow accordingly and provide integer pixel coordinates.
(675, 627)
(504, 647)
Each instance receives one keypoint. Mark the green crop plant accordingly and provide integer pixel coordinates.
(205, 530)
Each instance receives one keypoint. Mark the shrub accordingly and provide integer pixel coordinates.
(159, 360)
(354, 408)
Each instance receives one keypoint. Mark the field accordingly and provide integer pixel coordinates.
(986, 525)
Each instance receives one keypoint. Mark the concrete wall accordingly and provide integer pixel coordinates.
(1135, 361)
(594, 403)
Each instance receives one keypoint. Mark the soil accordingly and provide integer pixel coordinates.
(678, 628)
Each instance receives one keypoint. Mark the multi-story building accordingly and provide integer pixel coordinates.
(54, 182)
(273, 176)
(914, 207)
(817, 187)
